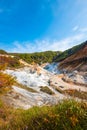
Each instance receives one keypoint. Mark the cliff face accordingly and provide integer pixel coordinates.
(77, 61)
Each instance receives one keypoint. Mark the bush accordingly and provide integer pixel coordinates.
(67, 115)
(25, 87)
(76, 93)
(6, 80)
(46, 90)
(3, 66)
(9, 61)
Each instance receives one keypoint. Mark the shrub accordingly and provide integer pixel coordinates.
(9, 61)
(25, 87)
(6, 81)
(46, 90)
(3, 66)
(76, 93)
(67, 115)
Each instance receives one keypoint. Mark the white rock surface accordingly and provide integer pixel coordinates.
(34, 76)
(75, 76)
(53, 68)
(35, 99)
(30, 78)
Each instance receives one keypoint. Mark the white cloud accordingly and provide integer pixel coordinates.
(44, 45)
(75, 28)
(83, 29)
(80, 30)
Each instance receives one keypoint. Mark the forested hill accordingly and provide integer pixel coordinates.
(38, 57)
(3, 52)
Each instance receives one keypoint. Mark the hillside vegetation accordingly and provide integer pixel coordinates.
(3, 52)
(68, 52)
(6, 81)
(38, 57)
(77, 61)
(8, 61)
(68, 115)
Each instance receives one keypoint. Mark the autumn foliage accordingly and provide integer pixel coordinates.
(6, 80)
(9, 61)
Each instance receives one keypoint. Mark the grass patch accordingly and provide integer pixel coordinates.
(46, 90)
(59, 90)
(76, 93)
(67, 115)
(26, 87)
(3, 66)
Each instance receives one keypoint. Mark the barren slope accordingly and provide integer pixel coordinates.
(77, 61)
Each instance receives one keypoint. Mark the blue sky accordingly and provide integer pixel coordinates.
(40, 25)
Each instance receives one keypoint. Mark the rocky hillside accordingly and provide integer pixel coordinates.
(77, 61)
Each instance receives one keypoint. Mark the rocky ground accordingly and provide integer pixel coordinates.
(35, 77)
